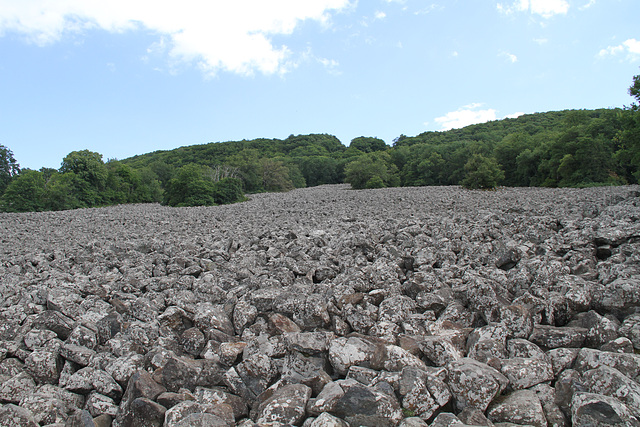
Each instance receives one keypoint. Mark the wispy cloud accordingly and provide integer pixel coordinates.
(588, 5)
(510, 57)
(469, 115)
(229, 36)
(544, 8)
(630, 48)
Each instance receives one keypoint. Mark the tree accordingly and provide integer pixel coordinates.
(482, 173)
(369, 170)
(228, 190)
(634, 89)
(275, 175)
(24, 193)
(89, 176)
(190, 187)
(8, 167)
(368, 144)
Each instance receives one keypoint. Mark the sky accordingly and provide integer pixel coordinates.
(127, 77)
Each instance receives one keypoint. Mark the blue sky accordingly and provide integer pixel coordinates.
(126, 77)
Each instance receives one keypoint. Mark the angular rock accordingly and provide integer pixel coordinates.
(525, 373)
(550, 337)
(15, 416)
(361, 405)
(520, 407)
(286, 406)
(474, 384)
(598, 410)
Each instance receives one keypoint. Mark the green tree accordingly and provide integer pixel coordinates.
(89, 176)
(369, 169)
(24, 193)
(482, 173)
(8, 167)
(275, 175)
(190, 187)
(60, 192)
(368, 144)
(228, 190)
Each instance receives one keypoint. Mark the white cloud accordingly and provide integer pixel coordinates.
(469, 115)
(465, 116)
(510, 57)
(380, 15)
(588, 5)
(234, 35)
(630, 46)
(544, 8)
(541, 41)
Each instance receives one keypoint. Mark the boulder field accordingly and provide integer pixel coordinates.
(327, 307)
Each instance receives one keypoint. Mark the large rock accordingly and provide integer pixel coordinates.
(474, 384)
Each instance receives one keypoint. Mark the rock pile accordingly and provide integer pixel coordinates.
(326, 307)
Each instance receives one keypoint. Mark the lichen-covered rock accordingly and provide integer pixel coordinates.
(474, 384)
(599, 410)
(520, 407)
(286, 406)
(525, 373)
(361, 405)
(16, 416)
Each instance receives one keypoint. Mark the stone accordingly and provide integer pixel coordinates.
(439, 350)
(610, 382)
(44, 365)
(98, 404)
(143, 412)
(550, 337)
(347, 352)
(361, 405)
(627, 364)
(16, 388)
(474, 384)
(16, 416)
(525, 373)
(519, 407)
(598, 410)
(325, 419)
(286, 406)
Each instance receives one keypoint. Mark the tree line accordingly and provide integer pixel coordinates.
(553, 149)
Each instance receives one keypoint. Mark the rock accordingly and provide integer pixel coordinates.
(17, 388)
(347, 352)
(16, 416)
(44, 365)
(77, 354)
(140, 385)
(286, 406)
(361, 405)
(598, 410)
(180, 372)
(519, 407)
(327, 420)
(610, 382)
(98, 404)
(550, 337)
(439, 350)
(474, 384)
(143, 412)
(525, 373)
(627, 364)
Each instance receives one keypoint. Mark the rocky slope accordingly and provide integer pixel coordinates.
(326, 307)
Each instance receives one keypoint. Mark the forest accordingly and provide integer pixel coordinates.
(570, 148)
